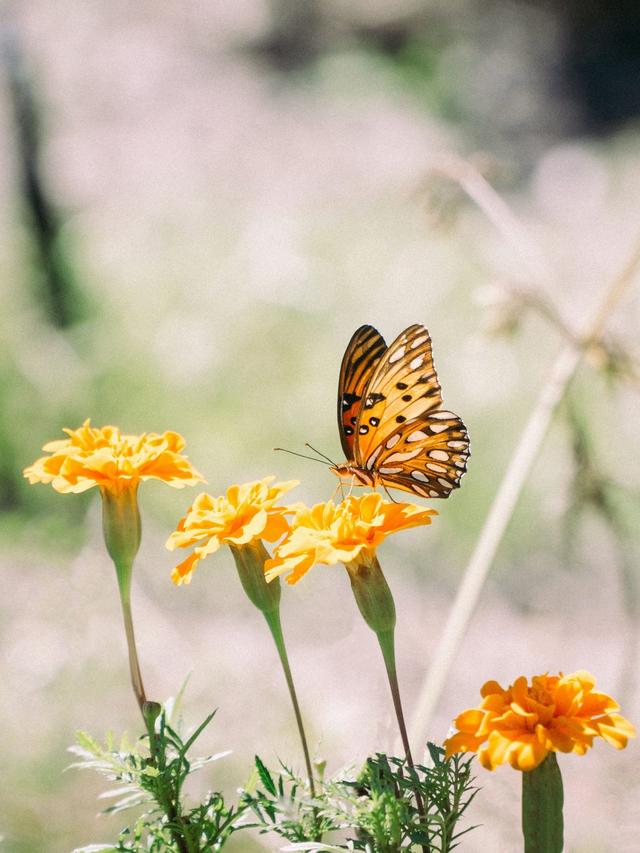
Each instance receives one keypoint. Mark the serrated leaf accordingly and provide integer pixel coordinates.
(116, 792)
(265, 777)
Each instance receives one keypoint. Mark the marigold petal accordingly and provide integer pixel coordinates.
(331, 533)
(183, 571)
(489, 688)
(494, 752)
(470, 721)
(616, 730)
(277, 526)
(526, 753)
(111, 460)
(462, 742)
(524, 723)
(297, 565)
(244, 514)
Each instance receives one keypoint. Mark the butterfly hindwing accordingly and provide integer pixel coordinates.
(404, 386)
(427, 456)
(359, 363)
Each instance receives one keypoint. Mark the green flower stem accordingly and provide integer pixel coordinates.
(387, 646)
(275, 626)
(250, 559)
(542, 801)
(134, 663)
(122, 532)
(375, 602)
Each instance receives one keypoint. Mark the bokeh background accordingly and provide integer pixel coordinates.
(200, 202)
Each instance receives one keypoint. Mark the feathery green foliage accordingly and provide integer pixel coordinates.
(151, 775)
(376, 812)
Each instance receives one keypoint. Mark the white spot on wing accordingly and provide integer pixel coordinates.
(402, 457)
(445, 483)
(418, 435)
(418, 475)
(433, 494)
(392, 441)
(440, 455)
(397, 355)
(442, 416)
(437, 468)
(373, 457)
(419, 341)
(416, 362)
(386, 470)
(457, 445)
(435, 428)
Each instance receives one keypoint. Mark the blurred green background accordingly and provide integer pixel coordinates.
(200, 203)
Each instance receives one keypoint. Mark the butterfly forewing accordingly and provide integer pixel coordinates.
(427, 456)
(404, 386)
(363, 355)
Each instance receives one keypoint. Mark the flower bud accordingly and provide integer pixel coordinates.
(372, 592)
(151, 711)
(122, 530)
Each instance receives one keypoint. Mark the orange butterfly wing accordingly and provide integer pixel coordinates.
(360, 360)
(427, 455)
(402, 434)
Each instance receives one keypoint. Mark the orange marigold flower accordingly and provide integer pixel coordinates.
(115, 462)
(344, 533)
(248, 512)
(521, 725)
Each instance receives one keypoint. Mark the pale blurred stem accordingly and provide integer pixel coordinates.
(387, 646)
(525, 455)
(275, 626)
(497, 211)
(124, 573)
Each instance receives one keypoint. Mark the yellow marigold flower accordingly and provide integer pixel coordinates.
(113, 461)
(344, 533)
(247, 512)
(524, 723)
(116, 463)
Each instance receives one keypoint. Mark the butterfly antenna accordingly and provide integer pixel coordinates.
(324, 456)
(302, 455)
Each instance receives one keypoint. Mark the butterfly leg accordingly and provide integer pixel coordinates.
(338, 488)
(391, 498)
(353, 482)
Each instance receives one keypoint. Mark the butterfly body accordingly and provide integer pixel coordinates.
(357, 476)
(393, 429)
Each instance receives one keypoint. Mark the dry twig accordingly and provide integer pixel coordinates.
(527, 449)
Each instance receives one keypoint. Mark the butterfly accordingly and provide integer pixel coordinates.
(393, 429)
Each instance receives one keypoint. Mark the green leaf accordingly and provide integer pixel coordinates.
(265, 777)
(197, 733)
